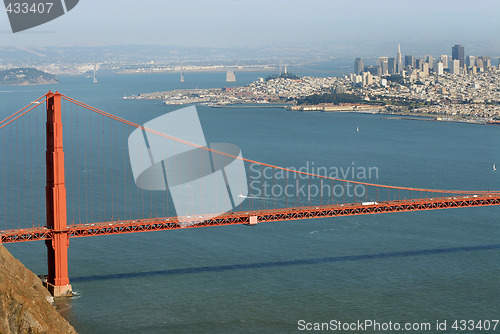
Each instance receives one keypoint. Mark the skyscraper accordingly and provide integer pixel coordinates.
(457, 52)
(410, 61)
(438, 68)
(419, 64)
(392, 65)
(444, 60)
(429, 60)
(455, 66)
(384, 65)
(480, 64)
(486, 62)
(358, 65)
(470, 61)
(399, 60)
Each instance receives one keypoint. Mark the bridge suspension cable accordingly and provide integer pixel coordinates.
(18, 114)
(138, 126)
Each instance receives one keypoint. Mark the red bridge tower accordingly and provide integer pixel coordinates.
(55, 193)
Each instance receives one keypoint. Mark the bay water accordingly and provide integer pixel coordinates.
(400, 267)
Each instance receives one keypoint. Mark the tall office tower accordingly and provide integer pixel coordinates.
(367, 79)
(384, 67)
(470, 61)
(425, 69)
(486, 62)
(457, 52)
(358, 66)
(392, 66)
(399, 60)
(455, 66)
(410, 61)
(419, 64)
(438, 68)
(429, 60)
(434, 62)
(444, 60)
(480, 64)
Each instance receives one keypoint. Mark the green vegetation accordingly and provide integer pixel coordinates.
(283, 76)
(395, 78)
(411, 104)
(333, 98)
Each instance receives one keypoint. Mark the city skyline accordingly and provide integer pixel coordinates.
(231, 23)
(457, 52)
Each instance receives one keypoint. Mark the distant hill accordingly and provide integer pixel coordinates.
(26, 76)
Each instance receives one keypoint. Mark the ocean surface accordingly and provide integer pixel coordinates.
(399, 267)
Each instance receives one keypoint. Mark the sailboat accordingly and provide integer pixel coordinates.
(494, 167)
(357, 129)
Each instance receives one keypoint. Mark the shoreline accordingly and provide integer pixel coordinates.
(402, 115)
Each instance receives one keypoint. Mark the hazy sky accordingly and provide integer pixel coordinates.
(253, 23)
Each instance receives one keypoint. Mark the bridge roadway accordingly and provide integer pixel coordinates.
(260, 216)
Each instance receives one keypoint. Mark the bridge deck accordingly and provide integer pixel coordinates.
(268, 215)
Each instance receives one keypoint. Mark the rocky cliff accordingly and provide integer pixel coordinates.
(25, 305)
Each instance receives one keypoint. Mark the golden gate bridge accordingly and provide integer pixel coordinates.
(103, 200)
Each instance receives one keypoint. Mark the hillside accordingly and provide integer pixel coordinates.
(26, 76)
(25, 305)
